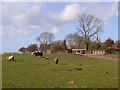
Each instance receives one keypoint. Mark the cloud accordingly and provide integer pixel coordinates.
(70, 12)
(0, 31)
(21, 14)
(55, 30)
(20, 18)
(104, 11)
(26, 19)
(60, 0)
(13, 31)
(109, 13)
(23, 18)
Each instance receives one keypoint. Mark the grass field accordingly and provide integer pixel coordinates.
(34, 72)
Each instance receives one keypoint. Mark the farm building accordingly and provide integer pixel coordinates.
(79, 51)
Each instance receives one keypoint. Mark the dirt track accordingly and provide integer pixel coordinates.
(103, 57)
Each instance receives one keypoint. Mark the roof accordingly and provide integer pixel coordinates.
(77, 49)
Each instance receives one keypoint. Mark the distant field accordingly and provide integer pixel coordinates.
(105, 57)
(112, 55)
(34, 72)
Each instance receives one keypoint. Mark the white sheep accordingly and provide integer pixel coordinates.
(56, 60)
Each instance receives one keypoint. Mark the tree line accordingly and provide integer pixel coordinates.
(88, 27)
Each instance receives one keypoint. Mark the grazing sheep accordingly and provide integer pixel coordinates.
(56, 60)
(11, 58)
(72, 82)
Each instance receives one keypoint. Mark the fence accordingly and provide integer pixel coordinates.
(98, 52)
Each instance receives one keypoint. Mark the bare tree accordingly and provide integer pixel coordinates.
(108, 43)
(88, 27)
(45, 38)
(73, 40)
(32, 48)
(59, 45)
(22, 49)
(117, 44)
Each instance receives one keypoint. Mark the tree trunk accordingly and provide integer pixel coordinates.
(86, 46)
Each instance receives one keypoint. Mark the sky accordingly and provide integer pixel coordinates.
(22, 22)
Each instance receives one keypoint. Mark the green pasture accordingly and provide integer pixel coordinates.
(35, 72)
